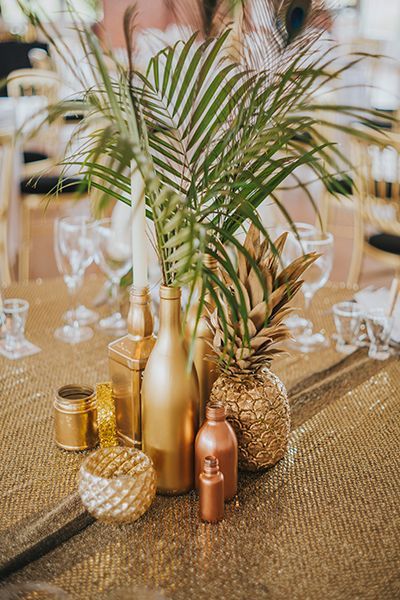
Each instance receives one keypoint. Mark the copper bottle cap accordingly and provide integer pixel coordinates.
(211, 465)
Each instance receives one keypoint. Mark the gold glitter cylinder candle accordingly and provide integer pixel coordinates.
(106, 415)
(127, 359)
(206, 370)
(170, 401)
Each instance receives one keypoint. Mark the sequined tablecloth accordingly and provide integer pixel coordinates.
(323, 524)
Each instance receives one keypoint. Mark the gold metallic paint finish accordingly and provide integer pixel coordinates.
(170, 401)
(106, 415)
(75, 417)
(127, 359)
(206, 370)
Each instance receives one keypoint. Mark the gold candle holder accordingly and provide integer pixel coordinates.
(117, 485)
(75, 417)
(127, 359)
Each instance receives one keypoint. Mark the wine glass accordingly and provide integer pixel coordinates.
(113, 254)
(315, 277)
(73, 245)
(292, 250)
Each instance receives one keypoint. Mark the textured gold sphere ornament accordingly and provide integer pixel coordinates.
(257, 407)
(117, 484)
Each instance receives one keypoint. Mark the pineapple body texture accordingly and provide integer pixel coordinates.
(257, 408)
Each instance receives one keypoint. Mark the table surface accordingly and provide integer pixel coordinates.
(324, 523)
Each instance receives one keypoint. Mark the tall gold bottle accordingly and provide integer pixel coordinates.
(170, 401)
(206, 369)
(127, 359)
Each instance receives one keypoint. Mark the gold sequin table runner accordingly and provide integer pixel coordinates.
(324, 523)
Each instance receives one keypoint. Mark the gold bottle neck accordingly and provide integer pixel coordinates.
(170, 310)
(140, 318)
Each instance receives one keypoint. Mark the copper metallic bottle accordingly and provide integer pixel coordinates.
(127, 358)
(170, 401)
(216, 437)
(206, 369)
(211, 489)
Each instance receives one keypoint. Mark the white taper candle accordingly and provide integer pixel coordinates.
(139, 239)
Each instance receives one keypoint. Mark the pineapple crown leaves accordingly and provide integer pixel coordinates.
(248, 345)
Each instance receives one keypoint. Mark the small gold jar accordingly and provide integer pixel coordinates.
(75, 416)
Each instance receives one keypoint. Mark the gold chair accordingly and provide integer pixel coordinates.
(377, 202)
(6, 182)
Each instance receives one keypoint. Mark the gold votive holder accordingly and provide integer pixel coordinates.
(117, 484)
(75, 417)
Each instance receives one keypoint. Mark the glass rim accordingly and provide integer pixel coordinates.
(377, 312)
(321, 242)
(68, 220)
(339, 309)
(22, 305)
(104, 221)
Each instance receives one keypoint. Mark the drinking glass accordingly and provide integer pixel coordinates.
(347, 317)
(73, 245)
(379, 327)
(292, 250)
(315, 277)
(113, 254)
(15, 313)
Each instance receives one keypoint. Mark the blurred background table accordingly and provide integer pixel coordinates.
(324, 523)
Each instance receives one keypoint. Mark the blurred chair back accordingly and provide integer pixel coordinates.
(46, 84)
(377, 182)
(14, 54)
(34, 82)
(6, 182)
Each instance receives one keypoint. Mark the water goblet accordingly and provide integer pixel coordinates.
(292, 250)
(315, 277)
(113, 254)
(73, 247)
(379, 327)
(347, 317)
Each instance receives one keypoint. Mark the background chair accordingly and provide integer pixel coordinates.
(43, 148)
(15, 54)
(377, 202)
(39, 180)
(6, 181)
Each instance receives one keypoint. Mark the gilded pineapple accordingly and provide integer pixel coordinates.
(255, 399)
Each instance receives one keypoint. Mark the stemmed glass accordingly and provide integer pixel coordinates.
(315, 277)
(73, 245)
(113, 254)
(292, 250)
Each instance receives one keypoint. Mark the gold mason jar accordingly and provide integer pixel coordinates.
(170, 401)
(75, 416)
